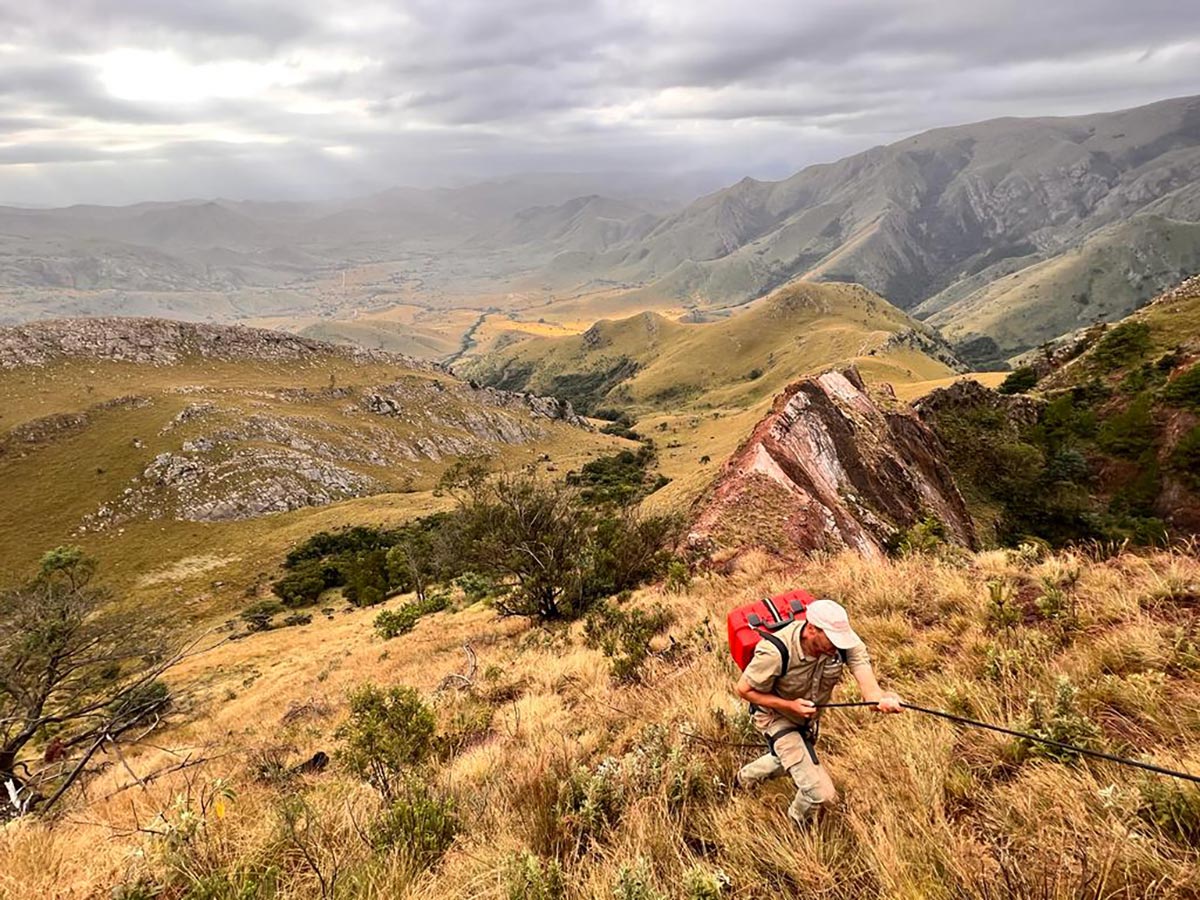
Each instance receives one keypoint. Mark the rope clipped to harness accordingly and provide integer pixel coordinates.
(975, 723)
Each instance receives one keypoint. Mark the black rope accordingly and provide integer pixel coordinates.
(975, 723)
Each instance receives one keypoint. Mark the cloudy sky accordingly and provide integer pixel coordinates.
(123, 100)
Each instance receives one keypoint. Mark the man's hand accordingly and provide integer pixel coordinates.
(889, 703)
(801, 708)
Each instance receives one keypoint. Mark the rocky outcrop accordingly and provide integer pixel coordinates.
(828, 468)
(159, 342)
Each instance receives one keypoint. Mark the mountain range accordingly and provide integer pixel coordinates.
(1003, 234)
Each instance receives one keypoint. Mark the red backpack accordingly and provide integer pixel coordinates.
(751, 623)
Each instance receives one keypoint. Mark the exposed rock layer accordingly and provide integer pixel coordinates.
(827, 468)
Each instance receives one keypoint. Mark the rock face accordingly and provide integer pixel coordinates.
(829, 468)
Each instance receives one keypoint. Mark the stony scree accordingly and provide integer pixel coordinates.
(829, 467)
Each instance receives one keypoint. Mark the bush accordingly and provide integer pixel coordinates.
(1185, 390)
(700, 883)
(620, 479)
(419, 824)
(258, 616)
(527, 877)
(624, 636)
(1063, 723)
(1019, 381)
(1172, 808)
(297, 619)
(394, 622)
(1130, 433)
(927, 536)
(634, 882)
(388, 732)
(1121, 345)
(1185, 458)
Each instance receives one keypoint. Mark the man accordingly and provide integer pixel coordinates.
(793, 671)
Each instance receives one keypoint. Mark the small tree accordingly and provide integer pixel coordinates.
(74, 669)
(530, 536)
(388, 732)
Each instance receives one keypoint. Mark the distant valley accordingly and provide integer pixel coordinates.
(1002, 234)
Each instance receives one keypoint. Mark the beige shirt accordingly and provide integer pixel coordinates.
(812, 678)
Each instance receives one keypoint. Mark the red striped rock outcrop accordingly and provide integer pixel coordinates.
(830, 467)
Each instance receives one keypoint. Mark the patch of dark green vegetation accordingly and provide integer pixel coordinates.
(1122, 345)
(620, 479)
(1043, 480)
(1184, 391)
(530, 548)
(586, 390)
(982, 353)
(1020, 381)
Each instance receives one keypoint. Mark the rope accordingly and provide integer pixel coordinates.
(975, 723)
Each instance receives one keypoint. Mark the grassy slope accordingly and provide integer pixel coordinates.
(927, 809)
(799, 329)
(50, 486)
(1103, 280)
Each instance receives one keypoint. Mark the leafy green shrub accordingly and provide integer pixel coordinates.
(1129, 433)
(388, 732)
(258, 615)
(392, 623)
(306, 582)
(700, 883)
(474, 586)
(634, 882)
(1185, 458)
(1019, 381)
(1001, 609)
(1171, 807)
(1063, 722)
(1123, 344)
(624, 636)
(1185, 390)
(528, 877)
(925, 537)
(679, 577)
(620, 479)
(419, 823)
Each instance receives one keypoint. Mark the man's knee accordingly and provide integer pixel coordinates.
(814, 788)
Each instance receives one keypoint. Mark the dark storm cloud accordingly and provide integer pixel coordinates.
(370, 93)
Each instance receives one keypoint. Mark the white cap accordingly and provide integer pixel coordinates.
(831, 618)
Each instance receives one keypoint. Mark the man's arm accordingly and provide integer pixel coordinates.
(885, 701)
(798, 708)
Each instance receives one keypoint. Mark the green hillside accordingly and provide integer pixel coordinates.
(650, 363)
(1102, 280)
(186, 475)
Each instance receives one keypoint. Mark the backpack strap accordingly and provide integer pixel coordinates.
(785, 656)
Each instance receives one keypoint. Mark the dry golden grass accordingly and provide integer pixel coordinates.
(927, 809)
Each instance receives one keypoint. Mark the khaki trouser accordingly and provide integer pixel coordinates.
(790, 754)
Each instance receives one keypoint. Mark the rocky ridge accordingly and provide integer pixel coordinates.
(161, 342)
(830, 467)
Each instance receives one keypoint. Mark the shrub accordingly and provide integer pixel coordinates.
(474, 586)
(1001, 610)
(1063, 723)
(528, 877)
(679, 577)
(1185, 458)
(620, 479)
(466, 721)
(1172, 808)
(419, 824)
(258, 616)
(1185, 390)
(624, 636)
(700, 883)
(1122, 344)
(394, 622)
(927, 536)
(388, 732)
(634, 882)
(1129, 433)
(1018, 381)
(297, 619)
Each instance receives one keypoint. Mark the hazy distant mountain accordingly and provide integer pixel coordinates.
(916, 218)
